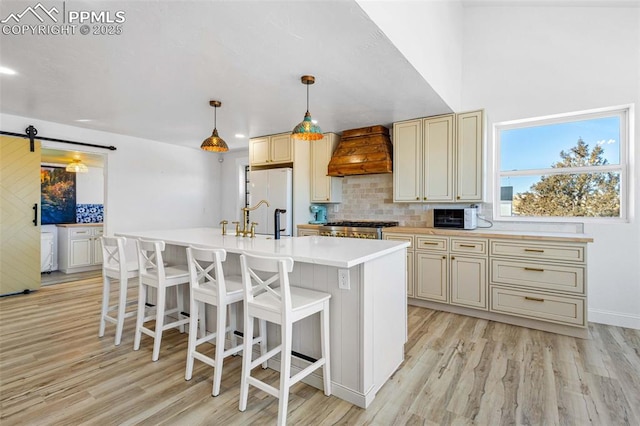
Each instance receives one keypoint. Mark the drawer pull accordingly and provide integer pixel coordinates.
(534, 250)
(430, 243)
(534, 269)
(534, 299)
(468, 245)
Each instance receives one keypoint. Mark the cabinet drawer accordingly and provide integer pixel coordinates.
(431, 243)
(469, 245)
(97, 232)
(548, 251)
(540, 306)
(400, 237)
(80, 233)
(543, 276)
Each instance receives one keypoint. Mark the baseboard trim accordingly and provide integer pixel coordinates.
(616, 319)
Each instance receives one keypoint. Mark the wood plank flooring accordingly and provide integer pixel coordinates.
(54, 370)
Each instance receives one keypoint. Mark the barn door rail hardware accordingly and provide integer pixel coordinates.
(31, 132)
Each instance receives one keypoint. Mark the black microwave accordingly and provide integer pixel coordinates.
(455, 218)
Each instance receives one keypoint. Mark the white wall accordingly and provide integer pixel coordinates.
(149, 184)
(429, 35)
(521, 62)
(232, 186)
(90, 186)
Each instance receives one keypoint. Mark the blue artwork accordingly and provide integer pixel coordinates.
(58, 195)
(89, 213)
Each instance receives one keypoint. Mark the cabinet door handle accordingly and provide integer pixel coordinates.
(534, 299)
(534, 269)
(35, 214)
(453, 258)
(467, 245)
(430, 243)
(534, 250)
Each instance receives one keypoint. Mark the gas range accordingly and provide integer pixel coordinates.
(355, 229)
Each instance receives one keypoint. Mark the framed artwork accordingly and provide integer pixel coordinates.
(58, 199)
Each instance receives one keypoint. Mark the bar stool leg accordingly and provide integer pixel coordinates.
(221, 325)
(106, 292)
(180, 304)
(285, 373)
(122, 304)
(193, 326)
(157, 338)
(142, 303)
(246, 362)
(263, 341)
(233, 324)
(326, 349)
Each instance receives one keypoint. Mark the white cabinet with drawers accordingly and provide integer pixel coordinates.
(523, 280)
(79, 248)
(541, 280)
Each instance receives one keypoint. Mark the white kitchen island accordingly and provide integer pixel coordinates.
(368, 319)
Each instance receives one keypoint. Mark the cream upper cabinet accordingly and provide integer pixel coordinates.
(407, 161)
(324, 189)
(268, 150)
(438, 159)
(469, 131)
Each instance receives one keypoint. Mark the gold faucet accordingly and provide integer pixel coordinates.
(224, 226)
(245, 213)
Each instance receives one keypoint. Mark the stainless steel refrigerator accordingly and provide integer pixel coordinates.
(275, 186)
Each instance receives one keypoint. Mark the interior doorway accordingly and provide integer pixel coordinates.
(89, 199)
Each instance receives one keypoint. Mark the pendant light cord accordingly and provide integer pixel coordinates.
(307, 97)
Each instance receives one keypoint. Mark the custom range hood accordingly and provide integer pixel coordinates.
(362, 151)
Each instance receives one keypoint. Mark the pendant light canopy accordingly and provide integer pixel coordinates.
(307, 130)
(76, 166)
(214, 142)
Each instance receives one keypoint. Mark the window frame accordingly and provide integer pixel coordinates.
(626, 115)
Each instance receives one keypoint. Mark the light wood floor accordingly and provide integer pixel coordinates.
(458, 370)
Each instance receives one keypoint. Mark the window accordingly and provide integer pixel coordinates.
(563, 166)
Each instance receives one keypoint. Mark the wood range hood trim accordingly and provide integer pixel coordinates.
(362, 151)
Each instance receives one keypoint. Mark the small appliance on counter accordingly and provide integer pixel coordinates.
(319, 215)
(455, 218)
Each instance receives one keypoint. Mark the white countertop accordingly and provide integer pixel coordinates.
(330, 251)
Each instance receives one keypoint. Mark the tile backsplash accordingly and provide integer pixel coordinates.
(370, 197)
(89, 213)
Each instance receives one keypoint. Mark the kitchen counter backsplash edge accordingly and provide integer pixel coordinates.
(485, 233)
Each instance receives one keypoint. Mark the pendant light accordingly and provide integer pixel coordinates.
(214, 142)
(77, 166)
(306, 130)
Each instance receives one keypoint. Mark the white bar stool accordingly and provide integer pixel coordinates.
(115, 266)
(153, 274)
(209, 286)
(283, 305)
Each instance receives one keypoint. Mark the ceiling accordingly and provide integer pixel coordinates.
(155, 80)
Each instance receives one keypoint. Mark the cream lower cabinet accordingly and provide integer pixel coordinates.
(468, 265)
(410, 258)
(302, 232)
(432, 276)
(537, 283)
(545, 281)
(79, 248)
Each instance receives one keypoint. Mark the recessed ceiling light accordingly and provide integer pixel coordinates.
(7, 71)
(83, 120)
(239, 135)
